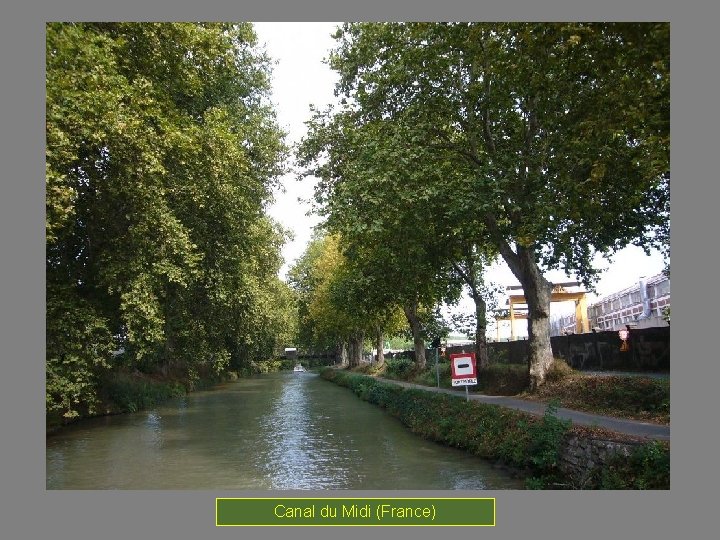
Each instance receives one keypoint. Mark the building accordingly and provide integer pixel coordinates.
(563, 325)
(455, 338)
(641, 305)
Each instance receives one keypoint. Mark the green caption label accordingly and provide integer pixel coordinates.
(273, 512)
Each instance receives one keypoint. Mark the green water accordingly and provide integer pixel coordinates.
(278, 431)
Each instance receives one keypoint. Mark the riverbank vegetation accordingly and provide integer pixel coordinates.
(527, 444)
(162, 265)
(121, 391)
(631, 397)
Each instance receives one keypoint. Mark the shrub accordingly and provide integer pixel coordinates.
(647, 467)
(520, 440)
(496, 379)
(546, 440)
(368, 369)
(428, 377)
(130, 394)
(503, 379)
(399, 368)
(559, 370)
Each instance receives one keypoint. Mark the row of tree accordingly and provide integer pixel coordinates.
(162, 151)
(332, 313)
(456, 143)
(453, 144)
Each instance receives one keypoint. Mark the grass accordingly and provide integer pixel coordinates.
(629, 397)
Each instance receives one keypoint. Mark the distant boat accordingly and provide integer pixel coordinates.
(298, 368)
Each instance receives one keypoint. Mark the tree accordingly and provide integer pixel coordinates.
(389, 323)
(469, 270)
(162, 150)
(331, 317)
(387, 210)
(334, 295)
(559, 132)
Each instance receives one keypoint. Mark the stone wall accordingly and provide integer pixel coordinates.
(581, 455)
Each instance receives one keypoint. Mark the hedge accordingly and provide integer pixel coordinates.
(522, 441)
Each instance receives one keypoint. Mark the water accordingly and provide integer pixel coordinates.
(278, 431)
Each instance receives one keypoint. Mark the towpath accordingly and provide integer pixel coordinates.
(620, 425)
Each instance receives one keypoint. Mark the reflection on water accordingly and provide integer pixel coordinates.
(272, 432)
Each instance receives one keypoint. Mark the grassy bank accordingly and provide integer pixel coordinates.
(523, 442)
(631, 397)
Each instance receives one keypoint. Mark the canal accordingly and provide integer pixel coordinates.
(278, 431)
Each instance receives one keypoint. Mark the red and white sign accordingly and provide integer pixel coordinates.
(463, 371)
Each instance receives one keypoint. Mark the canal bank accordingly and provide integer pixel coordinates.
(553, 452)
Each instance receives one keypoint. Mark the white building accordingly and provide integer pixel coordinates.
(641, 305)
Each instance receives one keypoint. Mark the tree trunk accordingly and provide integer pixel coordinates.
(481, 352)
(538, 292)
(416, 327)
(351, 353)
(356, 348)
(379, 347)
(342, 354)
(540, 355)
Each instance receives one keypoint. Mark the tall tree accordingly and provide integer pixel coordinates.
(563, 131)
(162, 149)
(374, 190)
(331, 316)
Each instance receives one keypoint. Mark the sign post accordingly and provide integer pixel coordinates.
(464, 371)
(436, 345)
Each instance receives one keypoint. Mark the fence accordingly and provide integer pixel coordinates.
(649, 350)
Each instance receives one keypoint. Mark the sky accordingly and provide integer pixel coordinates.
(301, 78)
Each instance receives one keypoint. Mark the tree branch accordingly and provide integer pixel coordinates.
(511, 258)
(470, 156)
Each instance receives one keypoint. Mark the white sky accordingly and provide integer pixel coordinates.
(300, 78)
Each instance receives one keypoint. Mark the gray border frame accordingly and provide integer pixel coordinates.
(27, 510)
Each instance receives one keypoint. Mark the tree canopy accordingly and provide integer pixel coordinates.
(162, 150)
(551, 140)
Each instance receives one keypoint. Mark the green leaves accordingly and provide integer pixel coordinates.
(162, 151)
(553, 118)
(543, 142)
(79, 348)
